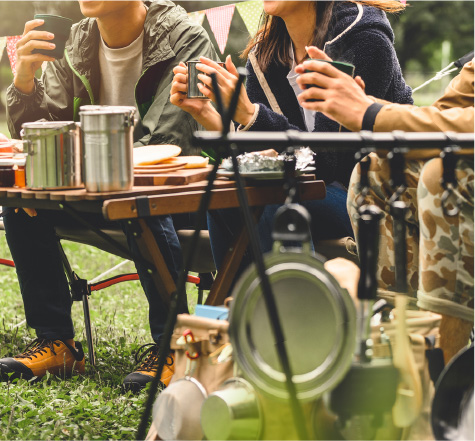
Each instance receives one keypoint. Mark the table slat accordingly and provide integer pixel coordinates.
(186, 202)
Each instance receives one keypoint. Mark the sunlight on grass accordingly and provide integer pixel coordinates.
(91, 406)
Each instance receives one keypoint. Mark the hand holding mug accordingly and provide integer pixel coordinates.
(27, 61)
(201, 110)
(227, 79)
(337, 95)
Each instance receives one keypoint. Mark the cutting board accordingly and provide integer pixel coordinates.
(178, 177)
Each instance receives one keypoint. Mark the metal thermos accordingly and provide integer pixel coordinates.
(232, 412)
(108, 147)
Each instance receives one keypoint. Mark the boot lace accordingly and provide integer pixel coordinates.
(147, 355)
(38, 347)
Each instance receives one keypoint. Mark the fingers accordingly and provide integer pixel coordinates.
(207, 92)
(34, 37)
(312, 93)
(314, 52)
(209, 66)
(36, 58)
(32, 24)
(360, 83)
(179, 86)
(31, 45)
(313, 79)
(180, 69)
(230, 66)
(32, 40)
(321, 67)
(177, 98)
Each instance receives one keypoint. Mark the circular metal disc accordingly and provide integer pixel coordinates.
(318, 320)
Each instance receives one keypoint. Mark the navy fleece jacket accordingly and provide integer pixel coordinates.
(368, 44)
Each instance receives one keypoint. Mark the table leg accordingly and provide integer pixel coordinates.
(149, 250)
(220, 288)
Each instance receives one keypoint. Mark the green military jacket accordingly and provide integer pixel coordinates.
(169, 38)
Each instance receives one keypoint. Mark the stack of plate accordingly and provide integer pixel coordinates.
(155, 159)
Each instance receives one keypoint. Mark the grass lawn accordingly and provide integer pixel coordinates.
(91, 406)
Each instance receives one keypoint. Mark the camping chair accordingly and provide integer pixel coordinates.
(81, 288)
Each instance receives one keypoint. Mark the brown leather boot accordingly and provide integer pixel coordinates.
(57, 357)
(147, 369)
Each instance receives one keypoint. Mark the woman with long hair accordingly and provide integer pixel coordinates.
(356, 32)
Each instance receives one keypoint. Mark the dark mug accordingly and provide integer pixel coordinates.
(347, 68)
(192, 81)
(60, 27)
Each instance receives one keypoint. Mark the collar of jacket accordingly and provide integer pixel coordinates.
(83, 46)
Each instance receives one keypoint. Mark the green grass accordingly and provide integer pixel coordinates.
(91, 406)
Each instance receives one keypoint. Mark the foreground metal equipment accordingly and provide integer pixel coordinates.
(364, 368)
(180, 295)
(368, 392)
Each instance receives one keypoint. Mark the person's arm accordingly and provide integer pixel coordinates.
(164, 122)
(452, 112)
(459, 92)
(423, 119)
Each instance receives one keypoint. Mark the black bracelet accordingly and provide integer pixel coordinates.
(370, 116)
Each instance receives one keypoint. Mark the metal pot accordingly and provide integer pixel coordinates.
(232, 412)
(108, 144)
(53, 155)
(176, 412)
(317, 316)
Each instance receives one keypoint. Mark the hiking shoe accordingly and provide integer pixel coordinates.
(147, 369)
(57, 357)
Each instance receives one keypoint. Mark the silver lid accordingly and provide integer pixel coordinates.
(318, 319)
(105, 110)
(32, 130)
(48, 125)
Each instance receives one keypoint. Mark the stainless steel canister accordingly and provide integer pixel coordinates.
(107, 145)
(53, 155)
(232, 412)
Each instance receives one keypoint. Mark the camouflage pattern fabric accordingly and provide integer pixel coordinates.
(439, 248)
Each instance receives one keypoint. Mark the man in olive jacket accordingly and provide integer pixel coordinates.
(122, 54)
(169, 38)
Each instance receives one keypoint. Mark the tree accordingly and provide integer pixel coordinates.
(422, 28)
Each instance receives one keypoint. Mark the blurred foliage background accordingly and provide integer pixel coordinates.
(429, 34)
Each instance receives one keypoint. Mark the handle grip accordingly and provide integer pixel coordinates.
(398, 212)
(368, 250)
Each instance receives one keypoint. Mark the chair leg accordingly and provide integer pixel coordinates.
(206, 280)
(80, 292)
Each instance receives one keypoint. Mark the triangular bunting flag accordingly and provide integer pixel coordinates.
(220, 21)
(3, 43)
(251, 14)
(197, 16)
(11, 51)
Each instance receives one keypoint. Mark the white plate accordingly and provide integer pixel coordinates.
(263, 174)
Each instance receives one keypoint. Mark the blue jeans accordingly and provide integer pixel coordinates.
(330, 220)
(43, 283)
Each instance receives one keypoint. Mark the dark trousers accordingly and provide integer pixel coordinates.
(44, 287)
(329, 221)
